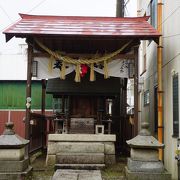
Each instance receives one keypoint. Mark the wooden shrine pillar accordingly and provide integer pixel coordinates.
(43, 106)
(28, 91)
(136, 91)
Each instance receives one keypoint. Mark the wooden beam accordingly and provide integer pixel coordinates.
(136, 91)
(39, 116)
(43, 103)
(119, 56)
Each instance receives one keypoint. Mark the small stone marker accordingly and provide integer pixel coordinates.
(144, 162)
(14, 165)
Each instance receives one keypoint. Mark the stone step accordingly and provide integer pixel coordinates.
(68, 174)
(81, 138)
(80, 166)
(75, 147)
(80, 158)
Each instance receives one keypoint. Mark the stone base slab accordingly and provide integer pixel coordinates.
(75, 147)
(50, 160)
(110, 159)
(16, 175)
(12, 154)
(144, 154)
(80, 166)
(145, 166)
(82, 137)
(146, 175)
(92, 148)
(109, 148)
(14, 166)
(80, 158)
(77, 175)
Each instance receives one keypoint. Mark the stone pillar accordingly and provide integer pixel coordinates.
(144, 163)
(13, 163)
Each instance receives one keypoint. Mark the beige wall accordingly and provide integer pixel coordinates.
(171, 63)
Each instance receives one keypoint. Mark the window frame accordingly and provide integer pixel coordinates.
(175, 110)
(146, 98)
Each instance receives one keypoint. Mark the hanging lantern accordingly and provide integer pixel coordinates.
(84, 70)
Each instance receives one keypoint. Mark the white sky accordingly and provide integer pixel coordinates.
(9, 10)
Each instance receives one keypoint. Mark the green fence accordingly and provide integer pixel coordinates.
(13, 95)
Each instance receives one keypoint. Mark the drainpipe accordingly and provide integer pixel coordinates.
(159, 72)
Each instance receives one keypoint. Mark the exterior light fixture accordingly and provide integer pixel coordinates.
(131, 70)
(34, 68)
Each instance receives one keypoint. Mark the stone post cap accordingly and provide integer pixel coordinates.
(144, 139)
(11, 140)
(144, 129)
(9, 128)
(141, 142)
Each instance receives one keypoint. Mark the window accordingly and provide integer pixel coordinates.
(131, 70)
(146, 97)
(34, 68)
(156, 109)
(175, 106)
(153, 11)
(59, 106)
(143, 59)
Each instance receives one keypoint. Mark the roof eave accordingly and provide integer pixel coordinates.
(9, 36)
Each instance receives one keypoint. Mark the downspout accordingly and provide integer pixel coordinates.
(159, 72)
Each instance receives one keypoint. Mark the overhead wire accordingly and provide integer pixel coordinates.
(36, 6)
(172, 13)
(174, 35)
(6, 14)
(12, 22)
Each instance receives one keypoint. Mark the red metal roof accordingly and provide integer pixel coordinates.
(82, 26)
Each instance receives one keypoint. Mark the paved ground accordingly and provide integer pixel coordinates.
(41, 172)
(68, 174)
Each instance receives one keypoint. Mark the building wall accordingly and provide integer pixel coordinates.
(13, 100)
(171, 63)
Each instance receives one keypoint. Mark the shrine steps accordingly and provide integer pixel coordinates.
(80, 166)
(80, 158)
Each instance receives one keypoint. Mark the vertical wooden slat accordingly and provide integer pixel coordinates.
(63, 104)
(43, 105)
(136, 91)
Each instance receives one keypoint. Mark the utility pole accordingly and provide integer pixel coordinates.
(119, 8)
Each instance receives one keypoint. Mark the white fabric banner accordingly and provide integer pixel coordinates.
(44, 73)
(116, 68)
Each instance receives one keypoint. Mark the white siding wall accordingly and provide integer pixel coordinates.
(171, 62)
(13, 61)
